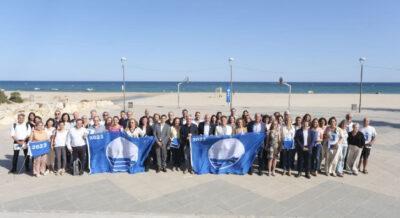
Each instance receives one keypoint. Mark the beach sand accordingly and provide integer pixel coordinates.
(384, 168)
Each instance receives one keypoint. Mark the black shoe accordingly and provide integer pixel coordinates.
(157, 170)
(12, 172)
(298, 175)
(164, 170)
(251, 172)
(308, 176)
(260, 173)
(190, 171)
(177, 169)
(146, 169)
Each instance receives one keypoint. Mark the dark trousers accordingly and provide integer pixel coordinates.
(79, 153)
(176, 159)
(287, 159)
(303, 161)
(15, 160)
(315, 158)
(69, 160)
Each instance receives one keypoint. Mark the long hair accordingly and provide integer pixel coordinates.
(65, 114)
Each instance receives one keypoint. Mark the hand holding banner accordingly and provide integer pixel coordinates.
(39, 148)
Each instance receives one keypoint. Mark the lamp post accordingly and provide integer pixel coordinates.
(186, 80)
(361, 60)
(281, 82)
(231, 83)
(123, 61)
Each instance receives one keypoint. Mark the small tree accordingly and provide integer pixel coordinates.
(3, 97)
(16, 97)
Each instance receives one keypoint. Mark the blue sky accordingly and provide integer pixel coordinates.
(167, 40)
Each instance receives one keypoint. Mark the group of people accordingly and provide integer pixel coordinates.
(302, 144)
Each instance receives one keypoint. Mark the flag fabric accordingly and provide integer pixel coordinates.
(39, 148)
(228, 94)
(117, 152)
(225, 154)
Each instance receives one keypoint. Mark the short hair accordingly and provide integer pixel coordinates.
(163, 116)
(21, 115)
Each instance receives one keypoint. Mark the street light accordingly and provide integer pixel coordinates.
(186, 80)
(281, 82)
(231, 83)
(361, 60)
(123, 61)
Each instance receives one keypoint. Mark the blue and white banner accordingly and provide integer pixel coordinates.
(225, 154)
(117, 152)
(39, 148)
(228, 94)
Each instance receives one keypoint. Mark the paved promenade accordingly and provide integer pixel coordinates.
(171, 194)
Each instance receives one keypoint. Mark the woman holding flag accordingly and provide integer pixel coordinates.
(39, 162)
(132, 130)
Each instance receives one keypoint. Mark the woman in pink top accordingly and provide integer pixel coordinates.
(115, 127)
(39, 162)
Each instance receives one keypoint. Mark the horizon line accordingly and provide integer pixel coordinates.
(196, 81)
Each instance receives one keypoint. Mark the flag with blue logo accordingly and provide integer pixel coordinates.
(117, 152)
(225, 154)
(39, 148)
(228, 94)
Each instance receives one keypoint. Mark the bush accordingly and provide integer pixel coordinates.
(3, 97)
(16, 97)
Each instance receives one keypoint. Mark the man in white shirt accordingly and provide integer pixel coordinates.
(349, 122)
(76, 143)
(20, 133)
(224, 128)
(370, 137)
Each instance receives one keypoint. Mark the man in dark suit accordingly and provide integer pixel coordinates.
(303, 143)
(205, 127)
(258, 126)
(185, 113)
(186, 132)
(162, 132)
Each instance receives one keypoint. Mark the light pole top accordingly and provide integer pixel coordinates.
(231, 59)
(123, 59)
(362, 60)
(280, 80)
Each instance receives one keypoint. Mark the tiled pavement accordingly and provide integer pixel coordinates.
(217, 197)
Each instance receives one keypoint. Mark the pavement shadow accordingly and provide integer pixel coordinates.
(380, 124)
(382, 109)
(6, 163)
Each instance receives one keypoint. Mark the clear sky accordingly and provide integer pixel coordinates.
(165, 40)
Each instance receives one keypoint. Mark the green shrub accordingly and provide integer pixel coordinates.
(16, 97)
(3, 97)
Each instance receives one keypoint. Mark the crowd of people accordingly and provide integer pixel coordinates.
(302, 144)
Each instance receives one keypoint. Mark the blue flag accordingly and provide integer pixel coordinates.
(225, 154)
(117, 152)
(228, 94)
(39, 148)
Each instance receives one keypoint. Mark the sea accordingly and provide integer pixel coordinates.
(240, 87)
